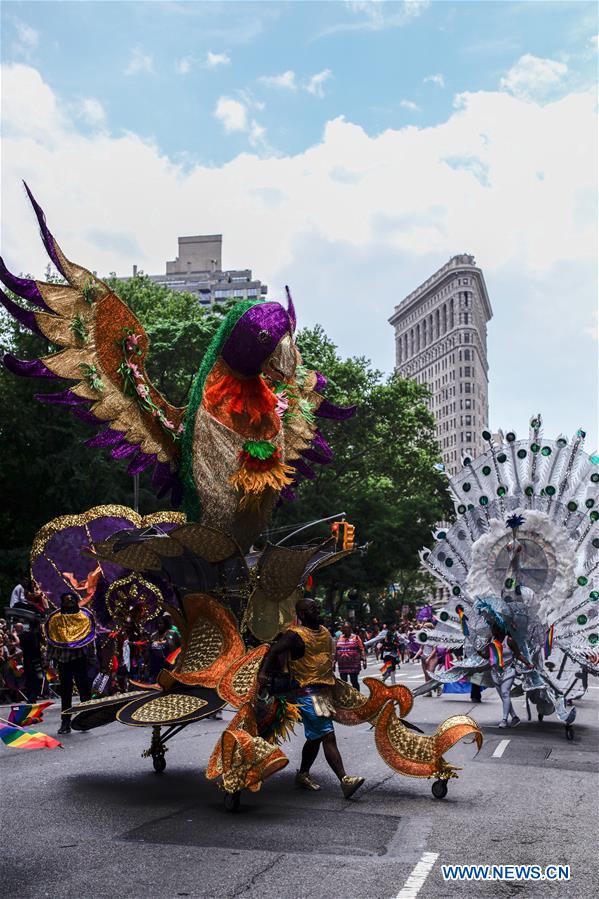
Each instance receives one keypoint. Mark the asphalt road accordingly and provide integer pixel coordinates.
(94, 820)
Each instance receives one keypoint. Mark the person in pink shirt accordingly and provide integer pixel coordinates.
(350, 655)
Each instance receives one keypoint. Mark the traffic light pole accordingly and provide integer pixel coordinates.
(311, 524)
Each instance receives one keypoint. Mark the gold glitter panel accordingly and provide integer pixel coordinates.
(68, 628)
(164, 709)
(239, 682)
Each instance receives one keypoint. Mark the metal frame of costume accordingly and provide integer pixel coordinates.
(247, 436)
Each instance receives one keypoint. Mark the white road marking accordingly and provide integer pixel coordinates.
(417, 877)
(500, 749)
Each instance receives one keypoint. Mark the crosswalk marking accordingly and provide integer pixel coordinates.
(500, 749)
(418, 875)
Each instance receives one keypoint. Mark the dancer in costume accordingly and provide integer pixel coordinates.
(309, 650)
(247, 436)
(523, 558)
(71, 635)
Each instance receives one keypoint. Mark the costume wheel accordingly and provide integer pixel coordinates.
(159, 763)
(540, 717)
(232, 801)
(569, 732)
(439, 789)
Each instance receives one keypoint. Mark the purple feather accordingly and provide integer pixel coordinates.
(336, 413)
(26, 368)
(288, 494)
(321, 382)
(88, 417)
(161, 477)
(303, 469)
(24, 316)
(124, 450)
(62, 398)
(141, 462)
(45, 232)
(108, 437)
(291, 310)
(23, 287)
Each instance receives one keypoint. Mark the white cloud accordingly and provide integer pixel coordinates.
(374, 15)
(257, 134)
(533, 77)
(92, 112)
(232, 113)
(316, 82)
(27, 38)
(139, 62)
(350, 246)
(214, 60)
(410, 105)
(437, 79)
(184, 65)
(285, 80)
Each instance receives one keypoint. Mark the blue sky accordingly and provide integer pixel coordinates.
(348, 148)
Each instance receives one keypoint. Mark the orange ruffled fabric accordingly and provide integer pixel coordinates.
(236, 401)
(254, 476)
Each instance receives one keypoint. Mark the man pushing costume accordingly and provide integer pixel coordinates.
(305, 652)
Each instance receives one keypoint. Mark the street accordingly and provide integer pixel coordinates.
(95, 820)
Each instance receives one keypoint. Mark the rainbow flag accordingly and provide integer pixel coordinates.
(171, 658)
(16, 668)
(17, 738)
(463, 621)
(24, 714)
(496, 653)
(51, 675)
(549, 641)
(386, 666)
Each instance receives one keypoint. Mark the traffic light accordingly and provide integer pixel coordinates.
(348, 535)
(335, 530)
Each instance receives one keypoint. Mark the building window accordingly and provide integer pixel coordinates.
(467, 355)
(466, 338)
(467, 387)
(468, 371)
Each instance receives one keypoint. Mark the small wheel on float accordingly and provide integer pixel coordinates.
(569, 732)
(439, 789)
(159, 763)
(540, 717)
(232, 801)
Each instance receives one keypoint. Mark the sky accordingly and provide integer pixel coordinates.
(348, 149)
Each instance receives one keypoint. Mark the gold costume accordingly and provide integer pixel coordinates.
(69, 628)
(316, 665)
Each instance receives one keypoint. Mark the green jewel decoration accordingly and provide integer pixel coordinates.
(582, 581)
(79, 328)
(594, 515)
(535, 423)
(449, 562)
(466, 486)
(456, 590)
(534, 447)
(501, 491)
(510, 437)
(562, 442)
(595, 478)
(443, 616)
(594, 595)
(470, 507)
(466, 461)
(546, 451)
(509, 583)
(441, 535)
(486, 435)
(589, 503)
(423, 636)
(572, 506)
(529, 491)
(484, 500)
(461, 509)
(486, 470)
(501, 458)
(595, 542)
(581, 619)
(595, 460)
(88, 291)
(549, 490)
(521, 454)
(593, 639)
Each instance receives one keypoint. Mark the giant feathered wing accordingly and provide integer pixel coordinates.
(102, 349)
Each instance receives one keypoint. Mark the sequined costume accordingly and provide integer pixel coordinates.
(522, 563)
(246, 438)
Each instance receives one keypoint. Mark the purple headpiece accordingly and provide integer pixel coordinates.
(255, 336)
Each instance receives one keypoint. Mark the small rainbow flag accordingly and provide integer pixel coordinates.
(549, 641)
(463, 620)
(51, 676)
(496, 653)
(16, 668)
(171, 658)
(17, 738)
(386, 666)
(25, 714)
